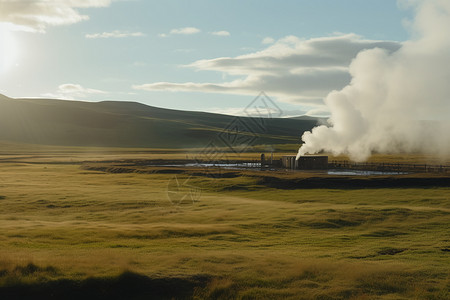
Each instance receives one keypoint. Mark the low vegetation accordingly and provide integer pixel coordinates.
(67, 231)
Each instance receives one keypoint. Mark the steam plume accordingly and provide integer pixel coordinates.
(396, 102)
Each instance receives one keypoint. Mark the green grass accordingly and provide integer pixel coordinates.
(68, 229)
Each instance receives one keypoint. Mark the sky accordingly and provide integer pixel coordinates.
(397, 101)
(214, 56)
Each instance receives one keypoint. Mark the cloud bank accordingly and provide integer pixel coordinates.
(114, 34)
(71, 91)
(268, 40)
(396, 101)
(181, 31)
(37, 15)
(221, 33)
(185, 30)
(293, 70)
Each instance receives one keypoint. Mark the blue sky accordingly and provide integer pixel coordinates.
(191, 55)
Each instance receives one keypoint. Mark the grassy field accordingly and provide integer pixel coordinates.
(102, 235)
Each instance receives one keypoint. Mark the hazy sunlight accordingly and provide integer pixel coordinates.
(8, 48)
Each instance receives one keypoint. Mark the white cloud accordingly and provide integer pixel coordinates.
(239, 111)
(70, 91)
(185, 30)
(293, 70)
(114, 34)
(268, 40)
(181, 31)
(37, 15)
(318, 112)
(221, 33)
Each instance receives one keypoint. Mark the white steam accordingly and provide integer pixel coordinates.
(396, 102)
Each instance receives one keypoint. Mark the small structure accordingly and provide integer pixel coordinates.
(289, 162)
(307, 162)
(312, 162)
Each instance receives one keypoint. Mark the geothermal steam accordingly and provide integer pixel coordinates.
(396, 102)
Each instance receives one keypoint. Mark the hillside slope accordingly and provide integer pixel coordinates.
(131, 124)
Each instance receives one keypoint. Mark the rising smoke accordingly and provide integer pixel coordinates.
(396, 102)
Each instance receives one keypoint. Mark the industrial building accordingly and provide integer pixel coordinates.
(289, 162)
(310, 162)
(307, 162)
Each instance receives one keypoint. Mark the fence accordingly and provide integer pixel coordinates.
(388, 167)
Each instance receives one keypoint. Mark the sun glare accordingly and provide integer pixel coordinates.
(8, 48)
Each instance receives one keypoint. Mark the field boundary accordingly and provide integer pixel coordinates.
(388, 167)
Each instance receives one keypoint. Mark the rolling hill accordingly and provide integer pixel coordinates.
(131, 124)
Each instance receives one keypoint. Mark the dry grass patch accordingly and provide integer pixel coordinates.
(239, 240)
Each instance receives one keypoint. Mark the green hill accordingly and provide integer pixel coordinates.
(131, 124)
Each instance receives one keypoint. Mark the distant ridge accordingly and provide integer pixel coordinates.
(309, 118)
(2, 97)
(130, 124)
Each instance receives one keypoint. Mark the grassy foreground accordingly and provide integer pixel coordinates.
(68, 232)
